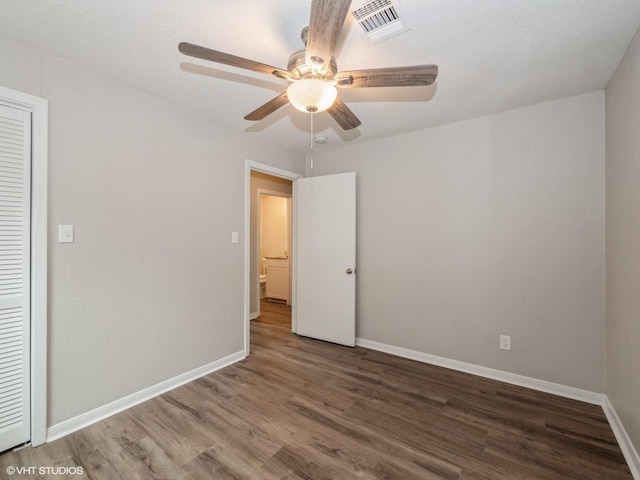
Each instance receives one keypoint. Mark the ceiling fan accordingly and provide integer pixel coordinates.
(313, 72)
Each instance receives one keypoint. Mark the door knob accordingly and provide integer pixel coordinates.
(349, 271)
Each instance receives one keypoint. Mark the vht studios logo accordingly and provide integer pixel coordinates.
(11, 470)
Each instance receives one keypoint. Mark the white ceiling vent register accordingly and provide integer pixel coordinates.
(379, 19)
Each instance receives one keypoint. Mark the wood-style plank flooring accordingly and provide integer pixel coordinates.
(303, 409)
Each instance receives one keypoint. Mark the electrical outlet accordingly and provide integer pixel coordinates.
(505, 342)
(65, 233)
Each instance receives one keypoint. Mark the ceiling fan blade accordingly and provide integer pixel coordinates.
(345, 117)
(227, 59)
(325, 25)
(268, 108)
(413, 76)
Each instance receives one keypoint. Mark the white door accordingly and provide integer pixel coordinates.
(325, 298)
(15, 220)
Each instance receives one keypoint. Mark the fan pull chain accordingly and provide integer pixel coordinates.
(311, 141)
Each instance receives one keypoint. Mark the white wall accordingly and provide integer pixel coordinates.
(152, 286)
(623, 240)
(485, 227)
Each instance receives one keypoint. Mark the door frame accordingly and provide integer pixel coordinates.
(39, 108)
(289, 197)
(250, 166)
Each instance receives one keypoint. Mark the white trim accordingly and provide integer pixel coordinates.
(254, 315)
(501, 376)
(274, 171)
(81, 421)
(39, 109)
(294, 264)
(250, 165)
(628, 450)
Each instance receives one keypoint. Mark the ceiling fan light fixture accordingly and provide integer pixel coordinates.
(312, 95)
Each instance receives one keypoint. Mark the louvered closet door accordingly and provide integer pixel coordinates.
(15, 179)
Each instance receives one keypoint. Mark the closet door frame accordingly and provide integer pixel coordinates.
(39, 166)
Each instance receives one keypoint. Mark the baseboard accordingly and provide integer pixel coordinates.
(254, 315)
(628, 450)
(512, 378)
(69, 426)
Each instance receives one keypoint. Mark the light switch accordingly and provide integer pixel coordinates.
(234, 237)
(65, 233)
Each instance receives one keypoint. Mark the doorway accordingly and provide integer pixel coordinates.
(260, 178)
(273, 245)
(324, 251)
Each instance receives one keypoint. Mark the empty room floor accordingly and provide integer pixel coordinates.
(304, 409)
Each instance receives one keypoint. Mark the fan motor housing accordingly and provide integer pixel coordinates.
(298, 67)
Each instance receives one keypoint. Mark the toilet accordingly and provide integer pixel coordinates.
(263, 285)
(263, 279)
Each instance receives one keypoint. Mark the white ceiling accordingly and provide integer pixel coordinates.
(493, 55)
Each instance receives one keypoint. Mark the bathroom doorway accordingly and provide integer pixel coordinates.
(274, 246)
(270, 249)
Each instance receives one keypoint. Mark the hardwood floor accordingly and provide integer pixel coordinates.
(303, 409)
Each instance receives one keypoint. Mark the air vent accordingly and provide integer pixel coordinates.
(379, 19)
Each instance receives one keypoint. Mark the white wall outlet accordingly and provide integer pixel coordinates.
(65, 233)
(234, 237)
(505, 342)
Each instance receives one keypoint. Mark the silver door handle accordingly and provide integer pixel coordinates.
(349, 271)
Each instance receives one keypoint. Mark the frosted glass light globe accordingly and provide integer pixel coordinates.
(312, 95)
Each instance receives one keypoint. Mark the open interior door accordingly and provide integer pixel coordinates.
(325, 297)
